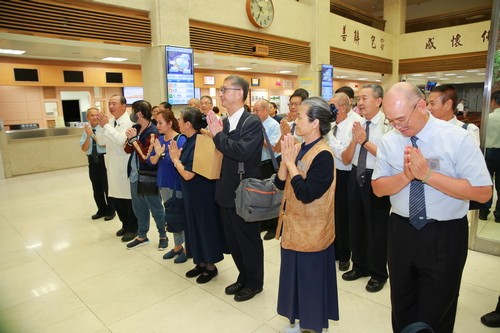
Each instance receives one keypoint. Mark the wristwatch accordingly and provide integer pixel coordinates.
(162, 155)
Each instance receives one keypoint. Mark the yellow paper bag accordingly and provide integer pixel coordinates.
(207, 159)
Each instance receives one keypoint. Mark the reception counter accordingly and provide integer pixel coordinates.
(40, 150)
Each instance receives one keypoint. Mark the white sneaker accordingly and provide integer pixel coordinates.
(294, 329)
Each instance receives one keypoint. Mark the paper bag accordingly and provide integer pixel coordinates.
(207, 159)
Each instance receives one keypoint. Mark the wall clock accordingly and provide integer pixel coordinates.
(260, 12)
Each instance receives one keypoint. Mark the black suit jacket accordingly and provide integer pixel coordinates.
(246, 148)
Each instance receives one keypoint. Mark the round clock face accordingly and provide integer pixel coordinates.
(260, 12)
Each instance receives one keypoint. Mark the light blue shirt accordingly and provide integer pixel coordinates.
(273, 131)
(100, 149)
(449, 150)
(493, 130)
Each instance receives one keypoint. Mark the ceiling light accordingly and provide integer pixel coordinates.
(479, 73)
(196, 64)
(363, 78)
(243, 68)
(432, 77)
(473, 70)
(8, 51)
(284, 72)
(450, 74)
(417, 75)
(461, 76)
(114, 59)
(444, 78)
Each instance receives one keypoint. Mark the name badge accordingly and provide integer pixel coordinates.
(301, 166)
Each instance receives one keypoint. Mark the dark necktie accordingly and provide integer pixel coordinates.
(292, 129)
(94, 153)
(361, 167)
(335, 128)
(418, 215)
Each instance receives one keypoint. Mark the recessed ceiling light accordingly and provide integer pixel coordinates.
(450, 74)
(243, 68)
(284, 72)
(461, 76)
(444, 78)
(363, 78)
(479, 73)
(473, 70)
(417, 75)
(196, 64)
(114, 59)
(432, 77)
(8, 51)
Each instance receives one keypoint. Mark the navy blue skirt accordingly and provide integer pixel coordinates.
(308, 288)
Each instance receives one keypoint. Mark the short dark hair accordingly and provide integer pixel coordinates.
(166, 105)
(447, 92)
(302, 93)
(239, 82)
(143, 107)
(319, 109)
(194, 116)
(377, 89)
(495, 96)
(346, 90)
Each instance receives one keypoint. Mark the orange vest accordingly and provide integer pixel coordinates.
(307, 227)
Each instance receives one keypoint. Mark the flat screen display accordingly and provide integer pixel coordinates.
(430, 85)
(180, 74)
(327, 82)
(133, 94)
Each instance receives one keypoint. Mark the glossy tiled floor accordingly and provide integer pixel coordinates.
(62, 272)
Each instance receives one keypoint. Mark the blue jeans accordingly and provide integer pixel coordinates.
(142, 205)
(166, 193)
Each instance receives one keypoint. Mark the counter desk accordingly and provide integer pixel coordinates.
(40, 150)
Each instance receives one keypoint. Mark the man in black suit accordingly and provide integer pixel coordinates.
(239, 138)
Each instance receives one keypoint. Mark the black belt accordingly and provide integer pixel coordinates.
(367, 170)
(428, 220)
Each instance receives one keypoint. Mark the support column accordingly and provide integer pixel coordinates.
(153, 58)
(395, 17)
(320, 47)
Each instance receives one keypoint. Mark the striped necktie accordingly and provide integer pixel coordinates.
(418, 215)
(361, 167)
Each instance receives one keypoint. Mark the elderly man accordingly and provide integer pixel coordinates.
(194, 102)
(430, 169)
(368, 214)
(239, 138)
(442, 103)
(338, 139)
(97, 167)
(206, 104)
(273, 132)
(112, 134)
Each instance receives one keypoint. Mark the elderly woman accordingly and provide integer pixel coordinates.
(205, 240)
(308, 284)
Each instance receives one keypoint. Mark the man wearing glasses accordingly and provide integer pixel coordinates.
(430, 169)
(239, 138)
(368, 214)
(287, 124)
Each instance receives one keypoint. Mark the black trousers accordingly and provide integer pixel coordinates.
(368, 218)
(245, 246)
(125, 213)
(341, 243)
(99, 180)
(426, 270)
(492, 157)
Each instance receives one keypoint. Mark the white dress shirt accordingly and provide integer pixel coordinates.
(378, 128)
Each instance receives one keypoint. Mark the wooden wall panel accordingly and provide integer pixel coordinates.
(358, 61)
(443, 63)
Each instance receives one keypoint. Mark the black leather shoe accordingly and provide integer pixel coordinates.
(197, 270)
(109, 217)
(207, 275)
(120, 232)
(270, 234)
(129, 236)
(374, 286)
(233, 288)
(353, 275)
(483, 215)
(97, 216)
(491, 319)
(344, 265)
(245, 294)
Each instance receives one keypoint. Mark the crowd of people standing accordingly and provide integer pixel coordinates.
(382, 187)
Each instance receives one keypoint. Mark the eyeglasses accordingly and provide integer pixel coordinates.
(224, 89)
(404, 123)
(294, 104)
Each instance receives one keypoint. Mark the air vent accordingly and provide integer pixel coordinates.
(260, 50)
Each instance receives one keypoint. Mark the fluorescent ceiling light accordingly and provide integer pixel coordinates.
(417, 75)
(461, 76)
(444, 78)
(243, 68)
(432, 77)
(196, 64)
(8, 51)
(284, 72)
(479, 73)
(450, 74)
(473, 70)
(114, 59)
(363, 78)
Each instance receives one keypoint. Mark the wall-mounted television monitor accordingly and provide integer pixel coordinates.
(430, 85)
(180, 74)
(326, 82)
(133, 94)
